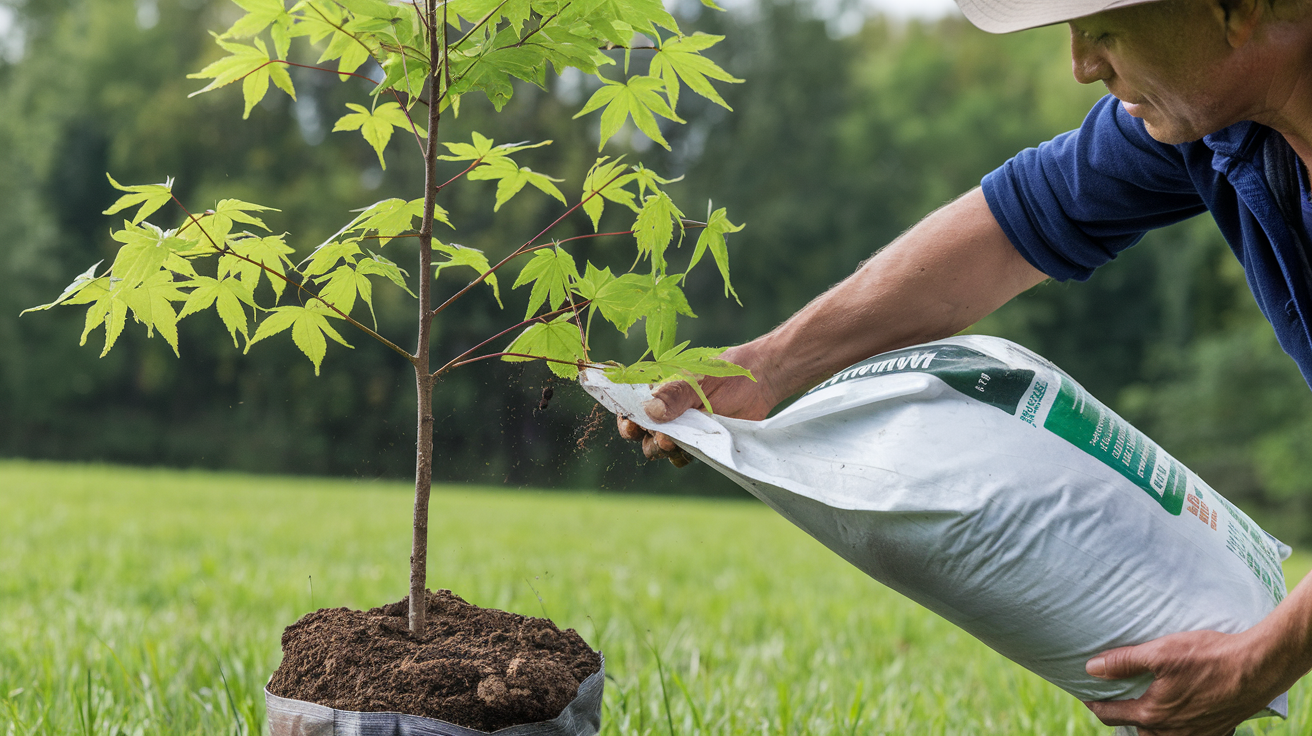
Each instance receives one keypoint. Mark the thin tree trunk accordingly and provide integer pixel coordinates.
(424, 381)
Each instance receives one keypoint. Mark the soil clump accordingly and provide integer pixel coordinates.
(476, 667)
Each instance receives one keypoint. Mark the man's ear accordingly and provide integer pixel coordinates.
(1240, 19)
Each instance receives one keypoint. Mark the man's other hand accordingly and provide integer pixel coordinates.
(1205, 683)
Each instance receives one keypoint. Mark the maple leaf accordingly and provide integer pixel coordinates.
(551, 271)
(261, 14)
(711, 239)
(558, 339)
(376, 126)
(252, 65)
(637, 99)
(459, 255)
(604, 181)
(511, 178)
(679, 58)
(228, 294)
(150, 196)
(309, 326)
(654, 228)
(151, 305)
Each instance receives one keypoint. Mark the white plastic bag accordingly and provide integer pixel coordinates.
(981, 481)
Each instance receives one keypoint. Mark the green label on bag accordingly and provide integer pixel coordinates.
(979, 376)
(1080, 420)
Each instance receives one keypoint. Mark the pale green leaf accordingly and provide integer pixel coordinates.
(150, 196)
(711, 239)
(459, 255)
(654, 228)
(309, 326)
(638, 99)
(559, 339)
(552, 272)
(680, 58)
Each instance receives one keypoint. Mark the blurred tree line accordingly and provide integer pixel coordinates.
(835, 146)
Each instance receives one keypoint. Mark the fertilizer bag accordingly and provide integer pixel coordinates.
(982, 482)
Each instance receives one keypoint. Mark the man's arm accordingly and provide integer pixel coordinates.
(1206, 683)
(943, 275)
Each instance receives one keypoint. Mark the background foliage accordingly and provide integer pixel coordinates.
(835, 145)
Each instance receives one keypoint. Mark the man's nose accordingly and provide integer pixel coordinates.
(1087, 60)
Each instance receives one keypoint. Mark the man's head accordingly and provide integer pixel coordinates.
(1186, 67)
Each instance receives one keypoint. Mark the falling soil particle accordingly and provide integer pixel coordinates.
(477, 667)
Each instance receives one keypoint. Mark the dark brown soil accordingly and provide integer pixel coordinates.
(477, 667)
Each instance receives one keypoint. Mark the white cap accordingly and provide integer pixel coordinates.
(1005, 16)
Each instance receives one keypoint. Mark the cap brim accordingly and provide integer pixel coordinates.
(1005, 16)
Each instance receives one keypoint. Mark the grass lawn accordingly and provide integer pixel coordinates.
(151, 602)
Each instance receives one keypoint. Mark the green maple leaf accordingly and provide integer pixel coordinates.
(616, 20)
(617, 298)
(661, 305)
(261, 14)
(679, 58)
(376, 265)
(559, 339)
(605, 181)
(143, 253)
(551, 271)
(391, 217)
(323, 258)
(228, 295)
(654, 228)
(151, 305)
(150, 196)
(511, 178)
(309, 326)
(711, 239)
(218, 223)
(108, 308)
(376, 126)
(269, 251)
(252, 65)
(328, 20)
(637, 98)
(482, 149)
(459, 255)
(343, 285)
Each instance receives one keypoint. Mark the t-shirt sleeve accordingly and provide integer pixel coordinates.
(1073, 203)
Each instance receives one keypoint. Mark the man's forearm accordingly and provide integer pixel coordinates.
(941, 276)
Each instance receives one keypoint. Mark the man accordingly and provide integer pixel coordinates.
(1210, 109)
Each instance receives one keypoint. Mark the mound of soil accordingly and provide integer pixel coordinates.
(476, 667)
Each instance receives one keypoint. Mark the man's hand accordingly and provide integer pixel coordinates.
(1206, 683)
(734, 396)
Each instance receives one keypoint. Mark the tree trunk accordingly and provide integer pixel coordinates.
(424, 381)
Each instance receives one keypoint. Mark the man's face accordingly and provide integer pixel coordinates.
(1169, 63)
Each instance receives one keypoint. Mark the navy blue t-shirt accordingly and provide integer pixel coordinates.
(1073, 203)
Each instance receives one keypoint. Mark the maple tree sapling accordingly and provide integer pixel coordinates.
(429, 55)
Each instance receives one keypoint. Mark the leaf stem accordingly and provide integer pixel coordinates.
(575, 363)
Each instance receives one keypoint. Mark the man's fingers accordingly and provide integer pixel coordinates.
(1115, 712)
(666, 444)
(629, 429)
(1120, 663)
(670, 400)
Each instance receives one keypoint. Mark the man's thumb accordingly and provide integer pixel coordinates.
(1118, 664)
(670, 400)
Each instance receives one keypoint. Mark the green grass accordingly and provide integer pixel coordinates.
(128, 599)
